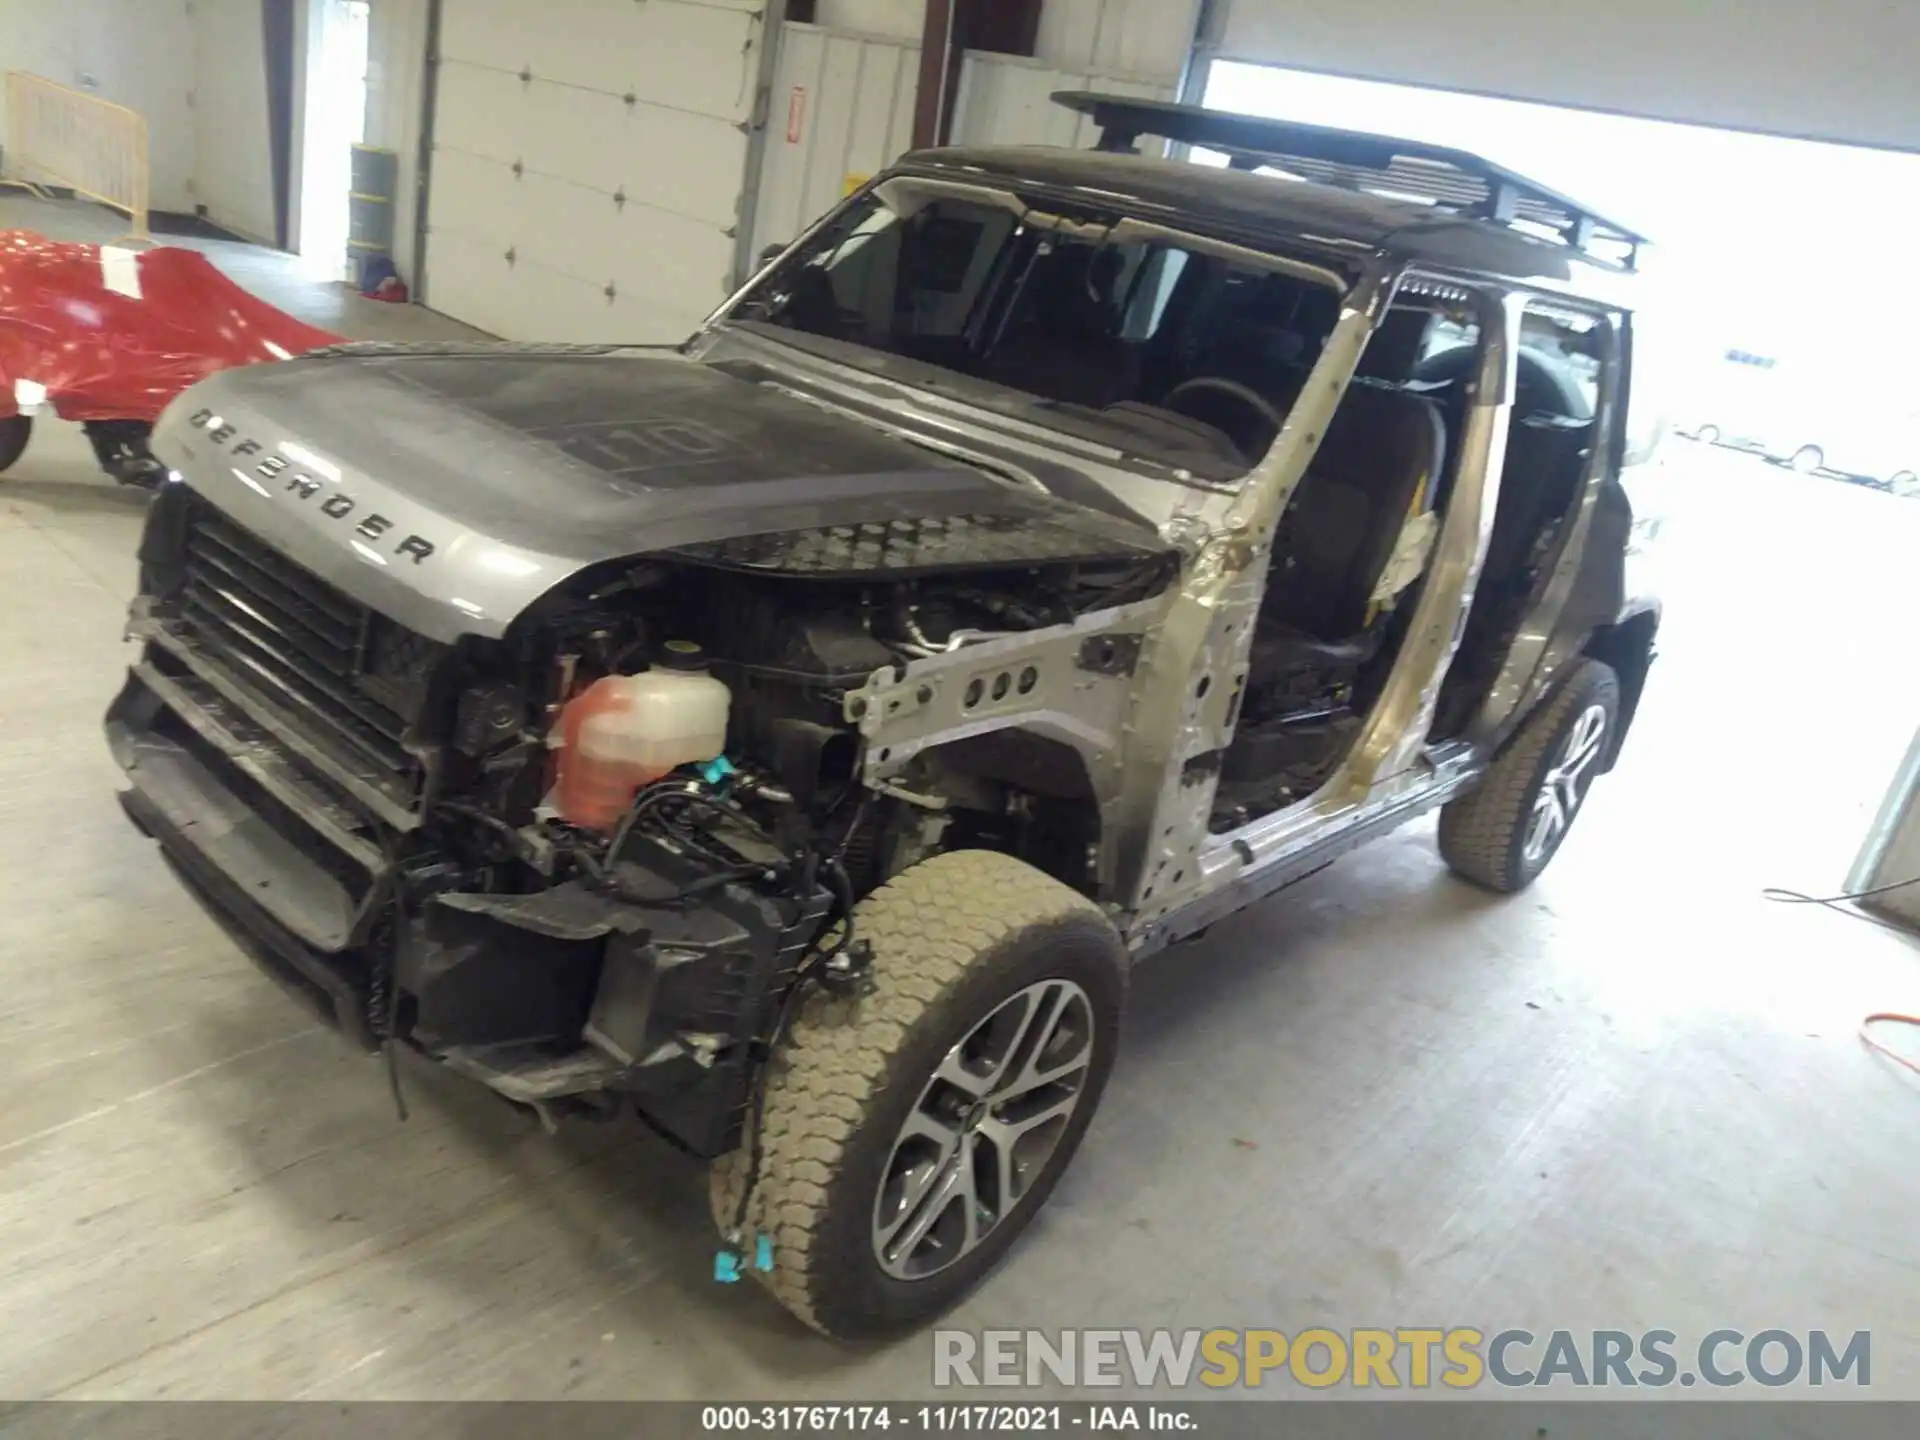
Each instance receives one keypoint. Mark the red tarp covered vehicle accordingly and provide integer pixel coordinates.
(107, 336)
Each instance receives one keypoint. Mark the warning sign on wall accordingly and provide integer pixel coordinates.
(796, 114)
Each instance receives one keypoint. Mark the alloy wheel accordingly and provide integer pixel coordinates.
(984, 1130)
(1565, 785)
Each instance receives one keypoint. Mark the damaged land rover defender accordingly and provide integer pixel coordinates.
(793, 735)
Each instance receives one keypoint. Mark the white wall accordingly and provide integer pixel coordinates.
(1147, 38)
(138, 55)
(1124, 47)
(1150, 39)
(194, 68)
(1008, 100)
(855, 120)
(233, 158)
(1842, 70)
(901, 19)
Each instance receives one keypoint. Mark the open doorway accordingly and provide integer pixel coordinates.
(335, 121)
(1746, 228)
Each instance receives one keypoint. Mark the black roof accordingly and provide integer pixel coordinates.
(1256, 208)
(1428, 176)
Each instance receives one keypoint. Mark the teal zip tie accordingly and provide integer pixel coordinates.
(728, 1260)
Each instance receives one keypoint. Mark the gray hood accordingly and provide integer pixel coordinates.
(451, 487)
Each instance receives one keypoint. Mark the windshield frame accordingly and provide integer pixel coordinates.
(906, 192)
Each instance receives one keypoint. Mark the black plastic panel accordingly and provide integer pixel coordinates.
(916, 547)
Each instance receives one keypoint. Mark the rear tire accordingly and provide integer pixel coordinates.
(1708, 434)
(1905, 483)
(1808, 459)
(1503, 833)
(15, 432)
(888, 1114)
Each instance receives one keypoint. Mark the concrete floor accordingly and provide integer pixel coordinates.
(1630, 1098)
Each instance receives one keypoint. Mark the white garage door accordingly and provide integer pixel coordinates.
(1843, 70)
(587, 164)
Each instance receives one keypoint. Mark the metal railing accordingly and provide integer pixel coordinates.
(58, 136)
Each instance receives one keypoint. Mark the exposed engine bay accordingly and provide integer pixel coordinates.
(593, 857)
(787, 650)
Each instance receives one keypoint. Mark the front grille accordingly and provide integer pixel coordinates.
(343, 673)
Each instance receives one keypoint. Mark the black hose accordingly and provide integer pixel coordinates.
(841, 884)
(651, 799)
(642, 802)
(804, 979)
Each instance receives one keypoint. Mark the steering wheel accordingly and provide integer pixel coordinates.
(1244, 405)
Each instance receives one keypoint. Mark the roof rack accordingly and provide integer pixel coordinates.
(1453, 180)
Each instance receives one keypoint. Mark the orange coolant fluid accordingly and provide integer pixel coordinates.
(626, 731)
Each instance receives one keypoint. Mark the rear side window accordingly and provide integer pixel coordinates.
(1562, 352)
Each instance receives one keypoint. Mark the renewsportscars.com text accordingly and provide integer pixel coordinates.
(1461, 1358)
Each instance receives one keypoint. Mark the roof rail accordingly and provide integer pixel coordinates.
(1453, 180)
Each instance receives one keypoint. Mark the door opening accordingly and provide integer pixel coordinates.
(336, 121)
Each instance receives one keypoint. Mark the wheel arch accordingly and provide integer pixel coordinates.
(1628, 647)
(1043, 765)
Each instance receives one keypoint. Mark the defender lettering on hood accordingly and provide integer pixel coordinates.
(516, 471)
(279, 470)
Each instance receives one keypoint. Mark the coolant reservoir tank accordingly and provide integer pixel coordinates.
(626, 731)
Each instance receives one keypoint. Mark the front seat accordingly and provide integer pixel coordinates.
(1381, 455)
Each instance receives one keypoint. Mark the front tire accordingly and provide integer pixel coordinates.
(1905, 483)
(15, 432)
(1808, 459)
(1708, 434)
(1506, 830)
(912, 1133)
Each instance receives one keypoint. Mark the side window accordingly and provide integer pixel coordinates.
(1551, 440)
(1427, 340)
(1561, 354)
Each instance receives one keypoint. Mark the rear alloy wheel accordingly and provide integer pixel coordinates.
(913, 1132)
(1504, 831)
(1558, 799)
(1905, 483)
(15, 431)
(1808, 459)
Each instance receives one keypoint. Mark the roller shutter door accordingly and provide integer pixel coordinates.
(587, 164)
(1843, 70)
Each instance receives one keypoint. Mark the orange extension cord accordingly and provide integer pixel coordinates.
(1879, 1017)
(1888, 1017)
